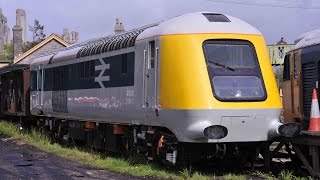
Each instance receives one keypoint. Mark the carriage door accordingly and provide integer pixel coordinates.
(40, 75)
(150, 82)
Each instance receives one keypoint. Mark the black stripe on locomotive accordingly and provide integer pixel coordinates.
(82, 75)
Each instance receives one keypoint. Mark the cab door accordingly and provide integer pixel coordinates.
(292, 84)
(296, 86)
(150, 78)
(286, 88)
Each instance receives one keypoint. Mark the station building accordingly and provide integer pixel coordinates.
(278, 51)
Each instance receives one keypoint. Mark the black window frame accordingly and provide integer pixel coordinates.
(151, 54)
(214, 17)
(212, 71)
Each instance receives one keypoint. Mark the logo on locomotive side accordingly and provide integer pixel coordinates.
(102, 68)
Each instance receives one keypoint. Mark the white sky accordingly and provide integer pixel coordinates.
(94, 18)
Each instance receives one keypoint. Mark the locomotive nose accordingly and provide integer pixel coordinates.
(289, 129)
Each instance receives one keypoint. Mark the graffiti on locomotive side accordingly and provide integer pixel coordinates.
(104, 103)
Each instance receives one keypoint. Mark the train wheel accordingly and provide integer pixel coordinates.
(165, 148)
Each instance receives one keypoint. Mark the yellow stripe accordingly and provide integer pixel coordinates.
(184, 79)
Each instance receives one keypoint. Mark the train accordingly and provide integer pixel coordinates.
(196, 86)
(300, 77)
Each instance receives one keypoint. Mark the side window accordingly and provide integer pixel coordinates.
(91, 68)
(86, 69)
(33, 80)
(151, 54)
(39, 84)
(124, 64)
(286, 68)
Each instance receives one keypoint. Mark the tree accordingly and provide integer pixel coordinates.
(37, 36)
(7, 53)
(37, 31)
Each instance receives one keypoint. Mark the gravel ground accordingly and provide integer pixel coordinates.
(21, 161)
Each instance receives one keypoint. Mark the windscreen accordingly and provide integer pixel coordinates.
(234, 70)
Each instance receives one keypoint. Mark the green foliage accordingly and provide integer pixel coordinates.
(133, 165)
(42, 142)
(286, 175)
(7, 53)
(231, 176)
(267, 176)
(186, 174)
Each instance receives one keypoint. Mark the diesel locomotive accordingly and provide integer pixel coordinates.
(194, 86)
(300, 77)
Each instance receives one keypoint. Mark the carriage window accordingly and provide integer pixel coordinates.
(286, 68)
(151, 54)
(33, 80)
(91, 68)
(124, 64)
(39, 84)
(86, 69)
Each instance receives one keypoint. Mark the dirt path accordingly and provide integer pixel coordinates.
(22, 161)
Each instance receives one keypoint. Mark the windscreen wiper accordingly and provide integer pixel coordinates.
(222, 65)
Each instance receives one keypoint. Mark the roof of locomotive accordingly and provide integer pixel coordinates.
(199, 22)
(308, 39)
(13, 67)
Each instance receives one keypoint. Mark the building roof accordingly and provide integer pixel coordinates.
(282, 41)
(41, 44)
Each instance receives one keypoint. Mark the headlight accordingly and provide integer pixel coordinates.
(215, 132)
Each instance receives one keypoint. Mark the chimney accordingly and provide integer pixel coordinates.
(66, 35)
(74, 37)
(118, 27)
(17, 41)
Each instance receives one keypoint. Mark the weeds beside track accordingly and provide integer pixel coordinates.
(130, 166)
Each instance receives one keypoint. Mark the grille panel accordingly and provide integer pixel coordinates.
(309, 78)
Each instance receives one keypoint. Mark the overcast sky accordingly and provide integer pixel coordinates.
(94, 18)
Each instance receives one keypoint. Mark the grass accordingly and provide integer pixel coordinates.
(42, 142)
(232, 176)
(266, 176)
(288, 175)
(133, 166)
